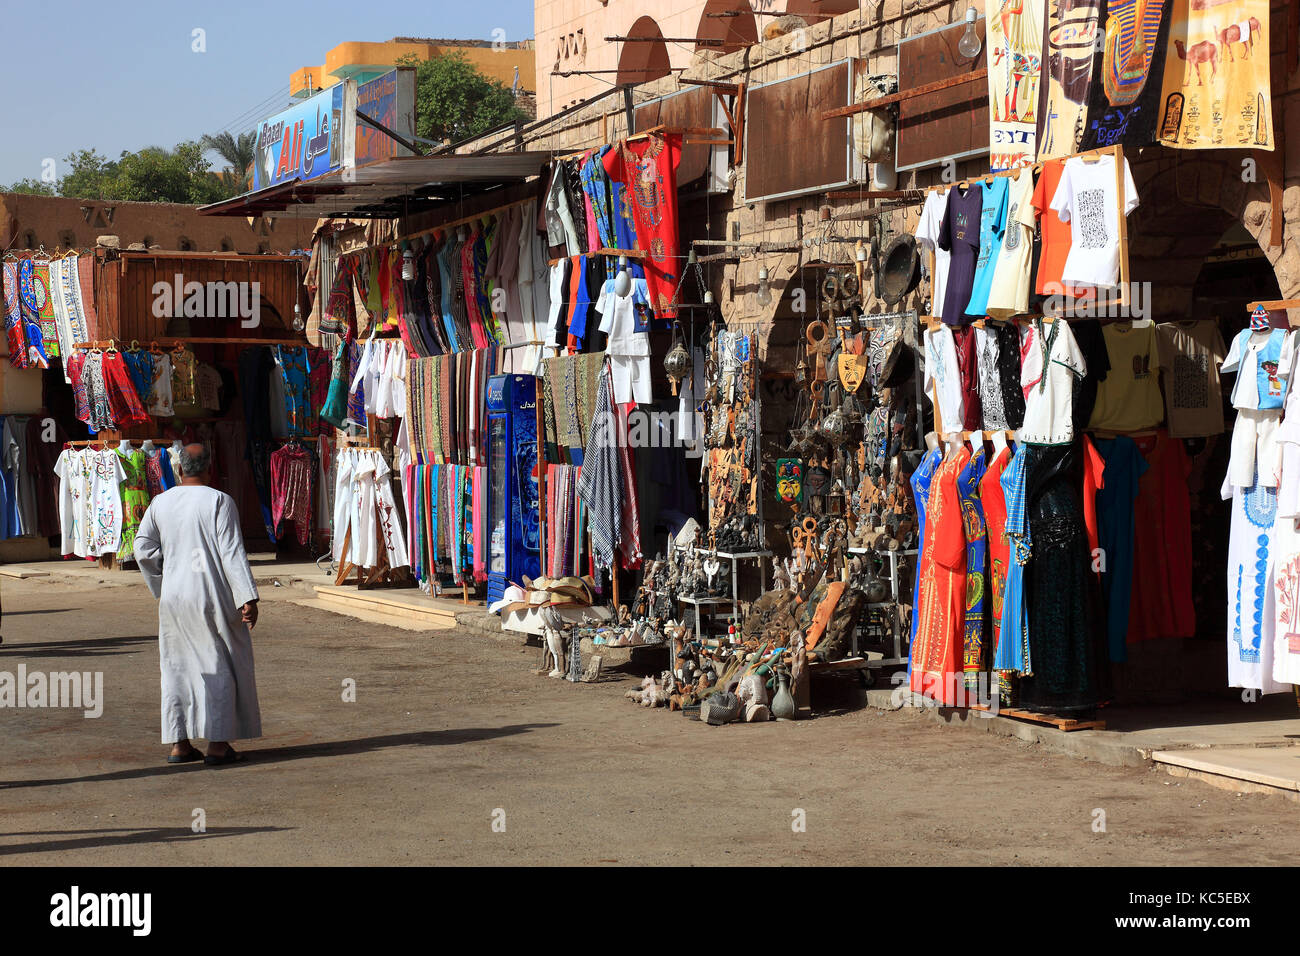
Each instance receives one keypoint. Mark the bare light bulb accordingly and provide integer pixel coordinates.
(298, 323)
(408, 265)
(764, 294)
(622, 281)
(969, 45)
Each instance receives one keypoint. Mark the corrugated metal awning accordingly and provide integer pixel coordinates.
(386, 189)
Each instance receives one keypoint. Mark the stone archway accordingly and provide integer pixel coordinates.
(647, 58)
(1187, 204)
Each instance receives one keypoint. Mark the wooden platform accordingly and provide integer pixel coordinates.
(1060, 723)
(408, 608)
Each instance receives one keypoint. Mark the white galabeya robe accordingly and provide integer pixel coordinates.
(191, 553)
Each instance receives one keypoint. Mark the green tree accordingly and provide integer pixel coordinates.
(239, 153)
(155, 174)
(90, 175)
(32, 187)
(454, 101)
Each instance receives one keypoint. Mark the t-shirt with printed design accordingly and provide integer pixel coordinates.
(1085, 198)
(1009, 291)
(959, 234)
(993, 221)
(1190, 353)
(1129, 399)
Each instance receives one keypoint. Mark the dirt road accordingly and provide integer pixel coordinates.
(454, 752)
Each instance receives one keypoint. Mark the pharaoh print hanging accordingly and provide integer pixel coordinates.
(1070, 39)
(1014, 33)
(1124, 100)
(1216, 84)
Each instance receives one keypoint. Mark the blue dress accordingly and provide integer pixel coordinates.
(1115, 526)
(977, 546)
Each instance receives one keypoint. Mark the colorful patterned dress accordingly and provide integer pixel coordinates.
(922, 480)
(135, 499)
(972, 516)
(995, 524)
(943, 594)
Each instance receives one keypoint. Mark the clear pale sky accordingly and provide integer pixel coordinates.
(122, 76)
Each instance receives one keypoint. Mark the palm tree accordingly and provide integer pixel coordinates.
(239, 152)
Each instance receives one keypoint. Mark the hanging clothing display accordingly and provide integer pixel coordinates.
(135, 498)
(942, 564)
(90, 510)
(1116, 519)
(293, 473)
(1251, 613)
(366, 519)
(1190, 355)
(1066, 649)
(647, 169)
(1129, 398)
(1052, 361)
(975, 636)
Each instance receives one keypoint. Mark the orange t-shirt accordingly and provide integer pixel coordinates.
(1055, 233)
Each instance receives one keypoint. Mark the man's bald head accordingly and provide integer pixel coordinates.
(195, 460)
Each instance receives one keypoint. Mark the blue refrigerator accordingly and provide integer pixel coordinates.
(514, 519)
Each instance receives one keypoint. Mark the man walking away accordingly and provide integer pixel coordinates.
(191, 553)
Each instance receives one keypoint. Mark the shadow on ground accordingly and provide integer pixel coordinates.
(428, 738)
(91, 839)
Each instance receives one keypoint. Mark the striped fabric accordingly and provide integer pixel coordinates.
(600, 482)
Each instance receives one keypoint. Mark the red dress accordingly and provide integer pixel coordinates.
(1162, 604)
(995, 518)
(937, 652)
(1094, 467)
(648, 171)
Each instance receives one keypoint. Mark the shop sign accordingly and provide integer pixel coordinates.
(302, 142)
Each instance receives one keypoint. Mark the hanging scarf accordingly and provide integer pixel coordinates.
(600, 484)
(14, 317)
(33, 297)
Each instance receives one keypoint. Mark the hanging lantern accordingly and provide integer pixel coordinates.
(835, 427)
(677, 363)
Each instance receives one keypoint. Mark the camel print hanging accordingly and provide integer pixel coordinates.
(1216, 84)
(1124, 102)
(1014, 38)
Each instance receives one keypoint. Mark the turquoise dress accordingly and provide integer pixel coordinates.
(1013, 648)
(977, 549)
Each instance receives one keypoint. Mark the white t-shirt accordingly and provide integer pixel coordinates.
(1085, 198)
(1049, 405)
(559, 276)
(1009, 294)
(618, 319)
(943, 375)
(927, 234)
